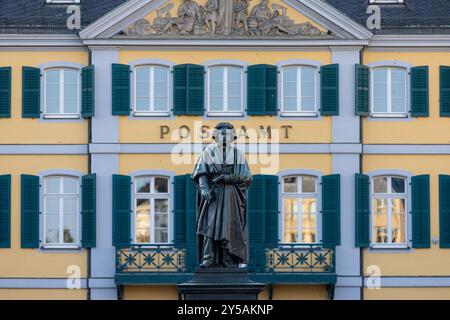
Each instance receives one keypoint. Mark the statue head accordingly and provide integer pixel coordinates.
(224, 133)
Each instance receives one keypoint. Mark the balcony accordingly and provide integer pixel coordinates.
(288, 264)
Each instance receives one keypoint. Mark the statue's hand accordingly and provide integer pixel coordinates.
(231, 179)
(206, 194)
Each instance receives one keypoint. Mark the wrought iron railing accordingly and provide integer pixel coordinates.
(299, 258)
(154, 258)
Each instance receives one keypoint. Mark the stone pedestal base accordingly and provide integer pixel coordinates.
(220, 284)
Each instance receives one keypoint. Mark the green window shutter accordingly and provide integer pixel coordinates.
(31, 92)
(420, 211)
(192, 260)
(88, 211)
(88, 91)
(362, 90)
(30, 211)
(419, 92)
(445, 91)
(188, 89)
(120, 89)
(5, 92)
(262, 84)
(185, 216)
(362, 211)
(444, 211)
(331, 210)
(271, 221)
(121, 207)
(329, 90)
(256, 224)
(180, 212)
(5, 211)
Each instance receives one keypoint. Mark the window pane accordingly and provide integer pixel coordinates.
(51, 184)
(216, 89)
(308, 184)
(70, 216)
(161, 205)
(142, 104)
(142, 89)
(290, 185)
(143, 185)
(161, 74)
(290, 74)
(290, 104)
(52, 91)
(308, 104)
(380, 185)
(161, 236)
(142, 221)
(234, 104)
(308, 89)
(52, 106)
(70, 236)
(234, 89)
(380, 90)
(70, 185)
(380, 220)
(52, 76)
(161, 89)
(398, 105)
(290, 220)
(143, 74)
(70, 91)
(398, 75)
(161, 185)
(309, 220)
(71, 76)
(216, 104)
(398, 220)
(52, 220)
(161, 105)
(234, 74)
(290, 89)
(52, 236)
(70, 106)
(216, 74)
(398, 185)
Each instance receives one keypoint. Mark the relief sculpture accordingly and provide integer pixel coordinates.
(223, 18)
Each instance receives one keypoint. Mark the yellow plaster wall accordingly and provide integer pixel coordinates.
(17, 130)
(407, 294)
(134, 162)
(433, 129)
(43, 294)
(419, 262)
(150, 293)
(148, 131)
(24, 263)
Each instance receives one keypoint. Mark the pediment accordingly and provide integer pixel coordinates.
(225, 19)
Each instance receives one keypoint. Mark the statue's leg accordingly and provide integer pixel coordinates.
(227, 259)
(208, 252)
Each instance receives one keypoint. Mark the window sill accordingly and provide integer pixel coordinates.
(151, 114)
(225, 114)
(60, 116)
(387, 115)
(61, 247)
(390, 247)
(300, 114)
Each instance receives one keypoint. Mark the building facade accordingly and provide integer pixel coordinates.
(346, 129)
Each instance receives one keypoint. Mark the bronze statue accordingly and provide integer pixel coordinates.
(223, 177)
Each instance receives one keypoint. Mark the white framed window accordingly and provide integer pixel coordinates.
(61, 211)
(225, 90)
(299, 90)
(62, 93)
(151, 87)
(299, 213)
(389, 91)
(389, 207)
(152, 207)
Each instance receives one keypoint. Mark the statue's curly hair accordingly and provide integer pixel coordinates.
(224, 125)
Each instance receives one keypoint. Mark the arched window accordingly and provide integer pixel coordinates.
(299, 215)
(152, 219)
(151, 90)
(389, 91)
(61, 210)
(299, 89)
(62, 92)
(225, 90)
(389, 201)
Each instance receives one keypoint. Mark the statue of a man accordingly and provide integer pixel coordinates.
(223, 177)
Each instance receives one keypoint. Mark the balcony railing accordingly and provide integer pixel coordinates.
(285, 264)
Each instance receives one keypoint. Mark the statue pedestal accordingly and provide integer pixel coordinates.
(220, 284)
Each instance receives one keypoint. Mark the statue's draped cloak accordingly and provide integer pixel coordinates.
(223, 218)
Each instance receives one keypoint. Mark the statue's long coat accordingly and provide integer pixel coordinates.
(224, 216)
